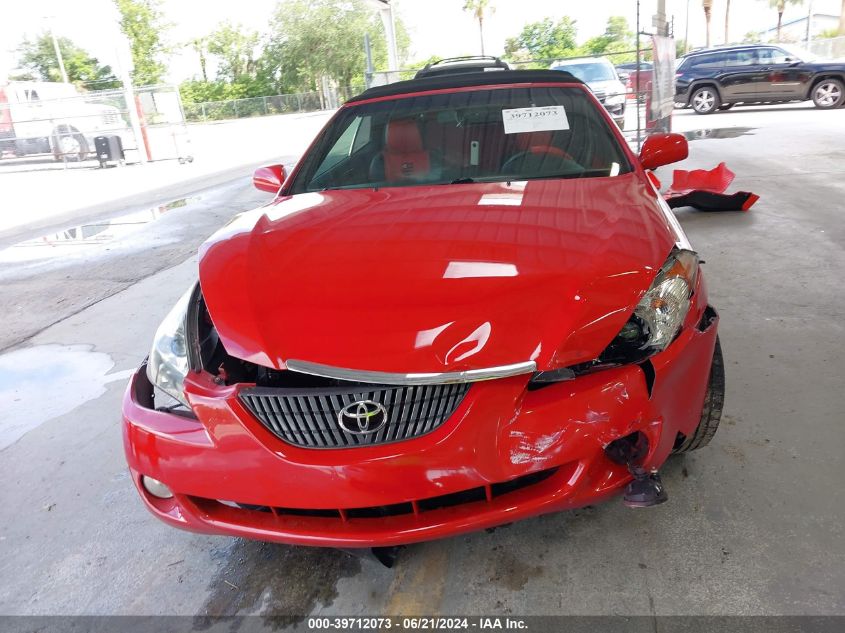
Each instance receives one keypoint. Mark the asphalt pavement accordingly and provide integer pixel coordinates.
(754, 522)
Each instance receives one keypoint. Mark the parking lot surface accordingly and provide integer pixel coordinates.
(754, 522)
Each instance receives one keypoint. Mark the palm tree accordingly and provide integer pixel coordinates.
(478, 8)
(727, 20)
(780, 5)
(707, 4)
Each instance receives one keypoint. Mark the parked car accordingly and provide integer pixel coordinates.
(636, 81)
(458, 65)
(42, 117)
(466, 305)
(601, 77)
(717, 79)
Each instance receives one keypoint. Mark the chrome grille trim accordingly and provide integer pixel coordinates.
(387, 378)
(309, 418)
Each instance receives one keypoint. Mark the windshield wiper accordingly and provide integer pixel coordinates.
(462, 181)
(569, 174)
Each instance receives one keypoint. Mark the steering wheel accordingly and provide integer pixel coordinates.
(542, 155)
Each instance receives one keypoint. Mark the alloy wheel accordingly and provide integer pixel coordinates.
(828, 94)
(704, 101)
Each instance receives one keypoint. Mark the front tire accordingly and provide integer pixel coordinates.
(711, 412)
(705, 100)
(726, 106)
(67, 141)
(828, 94)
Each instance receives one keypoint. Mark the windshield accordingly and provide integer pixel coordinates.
(483, 135)
(589, 73)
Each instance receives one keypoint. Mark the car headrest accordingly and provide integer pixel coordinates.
(531, 139)
(403, 136)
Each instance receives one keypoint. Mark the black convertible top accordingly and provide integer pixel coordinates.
(460, 80)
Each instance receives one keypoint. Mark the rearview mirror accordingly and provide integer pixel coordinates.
(269, 178)
(663, 149)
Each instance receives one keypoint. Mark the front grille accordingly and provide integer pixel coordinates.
(310, 418)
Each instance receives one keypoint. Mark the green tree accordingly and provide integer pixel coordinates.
(235, 49)
(238, 75)
(311, 39)
(780, 6)
(544, 40)
(617, 38)
(479, 8)
(37, 58)
(142, 23)
(200, 46)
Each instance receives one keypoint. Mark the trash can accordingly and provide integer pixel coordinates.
(109, 149)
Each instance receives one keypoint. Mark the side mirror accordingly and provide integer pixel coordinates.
(663, 149)
(624, 77)
(269, 178)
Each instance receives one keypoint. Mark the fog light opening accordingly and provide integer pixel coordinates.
(630, 450)
(156, 488)
(646, 489)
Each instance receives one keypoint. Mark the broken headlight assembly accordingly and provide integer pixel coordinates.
(659, 315)
(170, 356)
(654, 324)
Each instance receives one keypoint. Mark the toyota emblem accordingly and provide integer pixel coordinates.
(362, 417)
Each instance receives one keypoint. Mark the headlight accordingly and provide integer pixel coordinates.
(168, 362)
(659, 315)
(615, 100)
(653, 326)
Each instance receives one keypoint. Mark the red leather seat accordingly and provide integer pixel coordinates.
(539, 143)
(405, 158)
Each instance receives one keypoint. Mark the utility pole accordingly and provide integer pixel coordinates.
(662, 25)
(385, 10)
(809, 25)
(56, 48)
(686, 32)
(125, 65)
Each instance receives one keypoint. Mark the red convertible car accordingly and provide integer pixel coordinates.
(466, 305)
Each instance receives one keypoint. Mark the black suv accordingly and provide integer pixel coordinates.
(716, 79)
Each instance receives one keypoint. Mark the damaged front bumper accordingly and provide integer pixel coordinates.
(506, 453)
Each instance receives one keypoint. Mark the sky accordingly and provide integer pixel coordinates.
(437, 27)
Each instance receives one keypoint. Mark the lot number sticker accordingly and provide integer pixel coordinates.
(535, 119)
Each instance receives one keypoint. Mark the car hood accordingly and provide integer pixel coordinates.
(436, 278)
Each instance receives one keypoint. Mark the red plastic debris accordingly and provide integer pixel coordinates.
(704, 189)
(715, 180)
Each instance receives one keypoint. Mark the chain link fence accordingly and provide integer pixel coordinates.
(831, 48)
(266, 106)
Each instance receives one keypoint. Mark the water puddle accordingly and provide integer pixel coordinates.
(718, 132)
(44, 382)
(84, 238)
(279, 581)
